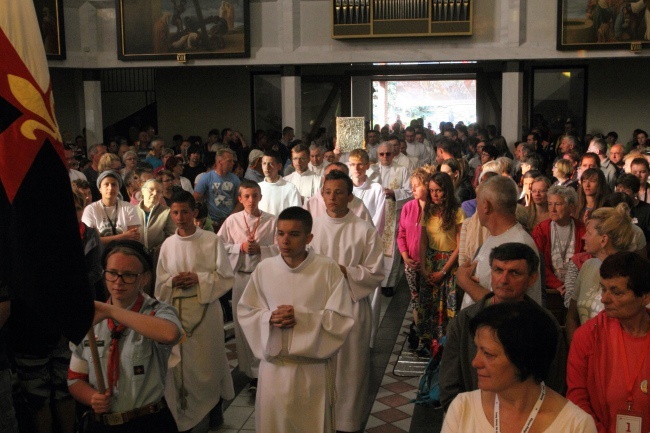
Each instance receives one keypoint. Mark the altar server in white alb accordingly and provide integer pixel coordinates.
(193, 273)
(370, 193)
(296, 312)
(248, 237)
(374, 198)
(307, 182)
(397, 187)
(316, 204)
(355, 245)
(277, 193)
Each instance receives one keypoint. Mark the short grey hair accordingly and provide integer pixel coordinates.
(387, 144)
(569, 194)
(316, 147)
(127, 154)
(501, 191)
(152, 180)
(506, 164)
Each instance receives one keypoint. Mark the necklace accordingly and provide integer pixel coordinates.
(251, 235)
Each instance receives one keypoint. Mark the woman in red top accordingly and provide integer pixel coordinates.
(608, 367)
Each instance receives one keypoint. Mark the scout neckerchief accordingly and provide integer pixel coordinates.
(113, 367)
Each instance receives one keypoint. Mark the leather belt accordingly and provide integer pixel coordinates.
(119, 418)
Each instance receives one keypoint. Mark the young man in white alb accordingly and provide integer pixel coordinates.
(355, 245)
(193, 273)
(277, 193)
(296, 313)
(248, 237)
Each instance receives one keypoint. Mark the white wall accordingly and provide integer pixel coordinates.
(285, 32)
(299, 32)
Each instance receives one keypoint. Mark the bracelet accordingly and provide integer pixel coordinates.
(443, 272)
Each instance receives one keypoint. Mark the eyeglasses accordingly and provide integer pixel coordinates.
(127, 278)
(385, 154)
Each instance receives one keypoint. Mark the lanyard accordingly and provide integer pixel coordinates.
(629, 381)
(110, 221)
(565, 248)
(531, 417)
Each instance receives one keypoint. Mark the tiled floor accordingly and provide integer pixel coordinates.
(389, 402)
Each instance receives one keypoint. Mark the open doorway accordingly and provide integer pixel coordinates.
(435, 101)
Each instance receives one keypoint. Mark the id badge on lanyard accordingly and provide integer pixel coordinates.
(629, 421)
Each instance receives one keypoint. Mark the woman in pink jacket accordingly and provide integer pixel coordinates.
(409, 231)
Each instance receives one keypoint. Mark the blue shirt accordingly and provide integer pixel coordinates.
(155, 162)
(221, 194)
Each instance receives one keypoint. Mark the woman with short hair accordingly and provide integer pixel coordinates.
(109, 161)
(608, 365)
(157, 224)
(563, 172)
(516, 343)
(174, 164)
(559, 237)
(116, 219)
(130, 160)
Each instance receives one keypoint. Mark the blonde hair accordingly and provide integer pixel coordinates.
(564, 167)
(106, 160)
(359, 154)
(616, 223)
(506, 164)
(423, 174)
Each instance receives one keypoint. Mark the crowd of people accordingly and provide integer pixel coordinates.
(305, 238)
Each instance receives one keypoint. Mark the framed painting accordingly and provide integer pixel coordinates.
(182, 29)
(602, 25)
(50, 19)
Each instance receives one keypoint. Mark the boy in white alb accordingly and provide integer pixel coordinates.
(356, 246)
(296, 313)
(193, 273)
(248, 237)
(374, 198)
(316, 204)
(277, 193)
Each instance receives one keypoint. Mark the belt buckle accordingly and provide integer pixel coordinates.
(113, 419)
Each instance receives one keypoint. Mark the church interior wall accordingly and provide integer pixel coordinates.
(206, 93)
(193, 101)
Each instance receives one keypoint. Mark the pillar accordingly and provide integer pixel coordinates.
(93, 106)
(512, 103)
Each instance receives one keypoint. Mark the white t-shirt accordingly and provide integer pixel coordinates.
(100, 217)
(466, 414)
(483, 271)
